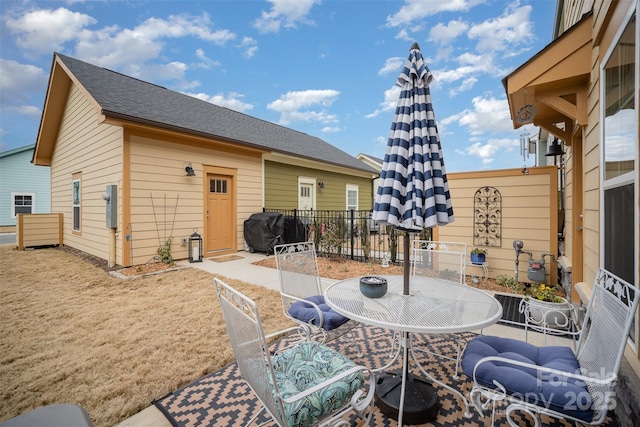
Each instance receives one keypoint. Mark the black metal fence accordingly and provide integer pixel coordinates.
(351, 234)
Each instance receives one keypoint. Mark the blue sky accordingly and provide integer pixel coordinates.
(324, 67)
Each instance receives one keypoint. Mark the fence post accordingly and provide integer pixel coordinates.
(353, 231)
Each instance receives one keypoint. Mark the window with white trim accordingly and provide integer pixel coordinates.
(352, 197)
(22, 203)
(76, 205)
(619, 118)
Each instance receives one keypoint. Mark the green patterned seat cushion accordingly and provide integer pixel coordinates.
(305, 366)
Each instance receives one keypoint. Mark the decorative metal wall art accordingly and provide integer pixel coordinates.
(487, 221)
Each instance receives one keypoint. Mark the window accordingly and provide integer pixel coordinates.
(620, 137)
(305, 191)
(218, 186)
(22, 203)
(619, 118)
(352, 197)
(76, 205)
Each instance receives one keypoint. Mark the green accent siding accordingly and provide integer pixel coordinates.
(281, 187)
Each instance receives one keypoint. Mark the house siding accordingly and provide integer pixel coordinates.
(281, 187)
(608, 18)
(164, 202)
(19, 175)
(95, 150)
(529, 213)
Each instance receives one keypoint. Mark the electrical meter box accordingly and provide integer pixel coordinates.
(111, 197)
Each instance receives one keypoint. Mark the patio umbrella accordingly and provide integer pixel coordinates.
(413, 193)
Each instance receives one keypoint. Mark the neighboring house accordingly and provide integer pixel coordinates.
(24, 188)
(177, 164)
(376, 164)
(583, 89)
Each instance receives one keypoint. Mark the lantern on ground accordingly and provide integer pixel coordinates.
(195, 247)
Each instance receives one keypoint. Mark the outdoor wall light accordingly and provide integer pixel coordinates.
(321, 184)
(525, 171)
(189, 170)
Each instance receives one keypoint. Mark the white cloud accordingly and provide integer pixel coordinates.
(232, 100)
(250, 47)
(381, 140)
(415, 10)
(18, 80)
(293, 106)
(287, 13)
(46, 30)
(25, 110)
(487, 151)
(389, 104)
(205, 63)
(391, 65)
(505, 32)
(331, 129)
(118, 48)
(445, 34)
(489, 115)
(466, 85)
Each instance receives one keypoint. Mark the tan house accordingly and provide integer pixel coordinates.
(583, 89)
(171, 164)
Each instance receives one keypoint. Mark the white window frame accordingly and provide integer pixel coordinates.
(352, 187)
(75, 205)
(632, 177)
(13, 202)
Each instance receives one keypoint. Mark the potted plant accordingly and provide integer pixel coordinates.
(478, 255)
(546, 308)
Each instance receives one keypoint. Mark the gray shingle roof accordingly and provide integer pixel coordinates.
(128, 98)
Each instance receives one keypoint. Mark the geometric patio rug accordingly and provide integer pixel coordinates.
(222, 398)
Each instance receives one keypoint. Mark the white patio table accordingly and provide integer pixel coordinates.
(434, 306)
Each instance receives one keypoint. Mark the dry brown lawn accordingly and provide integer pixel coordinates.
(71, 333)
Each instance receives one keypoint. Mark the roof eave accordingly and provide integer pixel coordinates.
(555, 80)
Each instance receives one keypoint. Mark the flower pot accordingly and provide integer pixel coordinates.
(373, 287)
(554, 315)
(478, 258)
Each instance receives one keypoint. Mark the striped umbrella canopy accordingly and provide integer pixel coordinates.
(413, 191)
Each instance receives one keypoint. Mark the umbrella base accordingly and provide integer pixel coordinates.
(420, 398)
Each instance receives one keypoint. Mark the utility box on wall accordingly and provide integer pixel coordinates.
(111, 197)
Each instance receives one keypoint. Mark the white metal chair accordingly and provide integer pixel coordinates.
(302, 295)
(446, 261)
(308, 384)
(443, 260)
(554, 380)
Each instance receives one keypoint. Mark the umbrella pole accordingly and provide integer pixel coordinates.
(406, 263)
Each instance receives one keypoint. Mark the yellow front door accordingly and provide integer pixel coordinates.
(221, 230)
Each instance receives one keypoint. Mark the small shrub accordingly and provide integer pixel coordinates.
(509, 282)
(164, 252)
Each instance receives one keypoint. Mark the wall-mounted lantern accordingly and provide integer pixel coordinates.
(189, 170)
(195, 247)
(321, 184)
